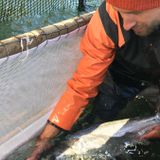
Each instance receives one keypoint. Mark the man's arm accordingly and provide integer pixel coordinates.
(152, 133)
(98, 54)
(42, 142)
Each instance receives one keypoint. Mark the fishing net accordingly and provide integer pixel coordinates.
(13, 9)
(34, 69)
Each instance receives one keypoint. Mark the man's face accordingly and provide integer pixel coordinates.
(141, 22)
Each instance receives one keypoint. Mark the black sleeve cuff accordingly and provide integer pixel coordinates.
(49, 122)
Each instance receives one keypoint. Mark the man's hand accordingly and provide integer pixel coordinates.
(42, 142)
(152, 133)
(41, 145)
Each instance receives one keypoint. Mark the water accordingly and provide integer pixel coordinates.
(126, 149)
(29, 23)
(123, 145)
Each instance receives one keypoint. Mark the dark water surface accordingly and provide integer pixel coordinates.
(125, 146)
(120, 147)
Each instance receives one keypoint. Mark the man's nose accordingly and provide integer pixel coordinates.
(127, 24)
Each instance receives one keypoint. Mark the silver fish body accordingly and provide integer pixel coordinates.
(108, 141)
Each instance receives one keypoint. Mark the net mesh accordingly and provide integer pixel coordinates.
(32, 81)
(13, 9)
(10, 9)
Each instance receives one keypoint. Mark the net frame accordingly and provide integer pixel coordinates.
(13, 45)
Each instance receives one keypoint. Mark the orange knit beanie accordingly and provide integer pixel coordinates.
(135, 5)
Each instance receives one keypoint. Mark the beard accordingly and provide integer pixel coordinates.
(144, 29)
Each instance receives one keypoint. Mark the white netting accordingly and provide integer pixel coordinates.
(31, 82)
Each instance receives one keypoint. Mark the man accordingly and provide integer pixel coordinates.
(121, 48)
